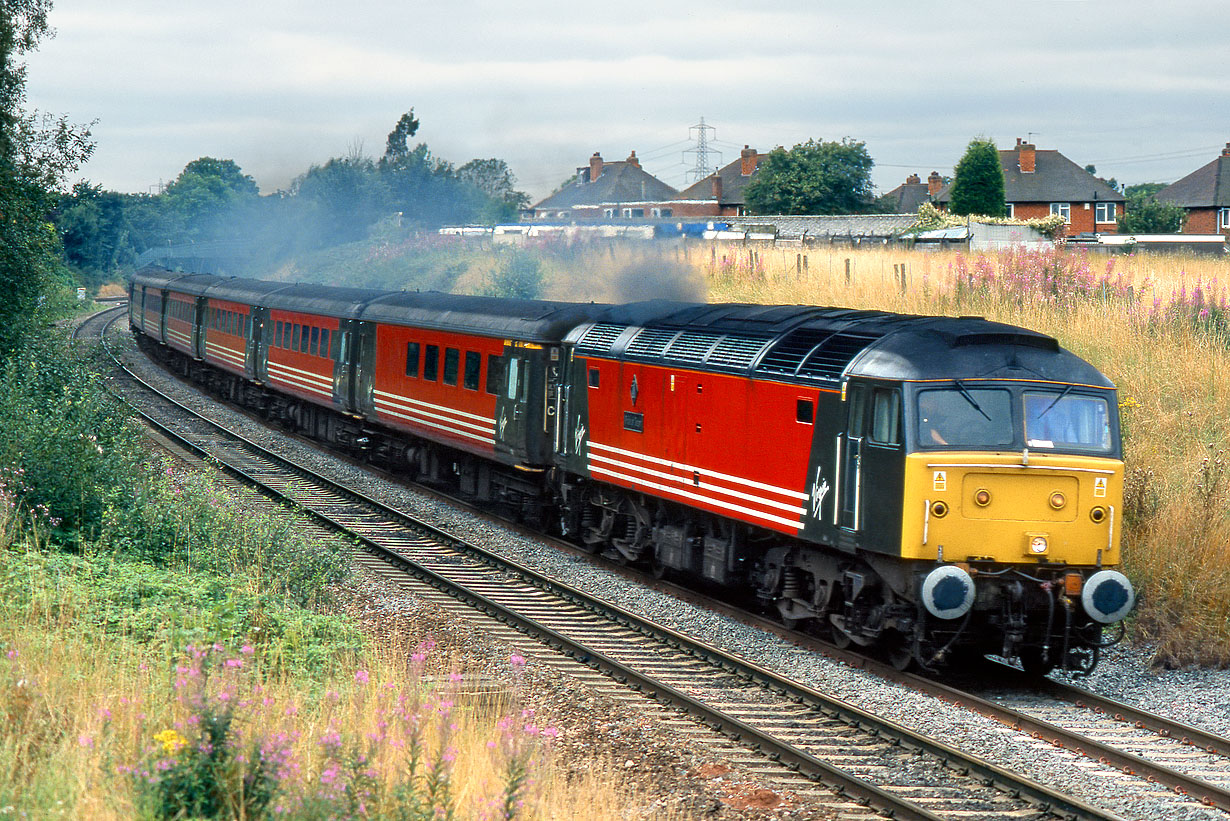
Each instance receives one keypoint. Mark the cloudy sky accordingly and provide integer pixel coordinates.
(1136, 88)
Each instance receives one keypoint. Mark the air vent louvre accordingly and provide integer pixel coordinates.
(650, 342)
(600, 337)
(737, 352)
(691, 347)
(787, 355)
(830, 359)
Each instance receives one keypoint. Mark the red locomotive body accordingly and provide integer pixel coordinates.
(727, 444)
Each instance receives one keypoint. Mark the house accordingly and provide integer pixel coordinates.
(721, 193)
(907, 197)
(1205, 193)
(606, 190)
(1042, 183)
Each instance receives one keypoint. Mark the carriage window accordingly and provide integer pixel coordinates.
(431, 363)
(412, 359)
(886, 416)
(294, 337)
(805, 411)
(279, 334)
(495, 374)
(474, 364)
(315, 349)
(304, 338)
(595, 377)
(324, 342)
(451, 358)
(1056, 420)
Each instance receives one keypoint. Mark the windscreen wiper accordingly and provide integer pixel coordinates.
(1065, 392)
(970, 399)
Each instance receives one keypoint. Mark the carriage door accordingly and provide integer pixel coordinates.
(258, 346)
(852, 459)
(511, 411)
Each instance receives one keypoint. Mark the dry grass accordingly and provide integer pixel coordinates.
(79, 712)
(1171, 365)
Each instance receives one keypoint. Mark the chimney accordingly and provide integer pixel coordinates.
(1225, 152)
(632, 160)
(934, 183)
(595, 167)
(1026, 157)
(747, 161)
(913, 180)
(717, 187)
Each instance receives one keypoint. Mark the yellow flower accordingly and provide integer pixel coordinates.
(171, 741)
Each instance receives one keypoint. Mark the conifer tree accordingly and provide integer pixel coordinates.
(979, 184)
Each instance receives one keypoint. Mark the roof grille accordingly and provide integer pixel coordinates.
(738, 352)
(650, 342)
(831, 358)
(599, 338)
(691, 347)
(788, 354)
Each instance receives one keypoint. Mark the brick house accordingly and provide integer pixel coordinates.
(606, 190)
(721, 193)
(1205, 194)
(907, 197)
(1042, 183)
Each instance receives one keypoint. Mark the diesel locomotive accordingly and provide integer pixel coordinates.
(933, 487)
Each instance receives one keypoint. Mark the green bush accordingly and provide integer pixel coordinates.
(69, 443)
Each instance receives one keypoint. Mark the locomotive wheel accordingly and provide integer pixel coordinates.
(657, 568)
(899, 648)
(1032, 664)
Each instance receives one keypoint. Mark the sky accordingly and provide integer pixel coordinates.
(1136, 89)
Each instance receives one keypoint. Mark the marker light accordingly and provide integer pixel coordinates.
(982, 498)
(1058, 500)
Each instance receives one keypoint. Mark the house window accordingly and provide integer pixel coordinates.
(562, 214)
(1009, 210)
(1063, 209)
(1223, 219)
(663, 212)
(1104, 212)
(609, 213)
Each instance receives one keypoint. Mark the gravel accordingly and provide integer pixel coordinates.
(1200, 697)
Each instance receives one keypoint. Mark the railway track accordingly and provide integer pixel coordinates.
(870, 760)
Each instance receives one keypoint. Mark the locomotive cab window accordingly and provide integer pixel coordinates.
(1055, 419)
(965, 417)
(804, 411)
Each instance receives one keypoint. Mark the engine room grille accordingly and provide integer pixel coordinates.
(600, 337)
(831, 358)
(737, 352)
(650, 342)
(691, 347)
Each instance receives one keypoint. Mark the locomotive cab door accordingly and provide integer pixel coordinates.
(851, 460)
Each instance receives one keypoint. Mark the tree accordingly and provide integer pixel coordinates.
(1145, 214)
(36, 155)
(814, 177)
(496, 181)
(979, 184)
(205, 199)
(397, 151)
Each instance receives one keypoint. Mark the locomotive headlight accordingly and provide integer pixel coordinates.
(1058, 500)
(1108, 596)
(1037, 545)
